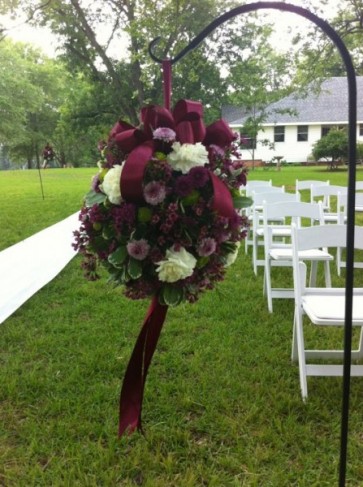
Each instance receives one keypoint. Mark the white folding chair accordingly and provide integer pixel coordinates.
(324, 194)
(342, 203)
(279, 254)
(260, 200)
(252, 184)
(258, 189)
(358, 202)
(322, 306)
(301, 185)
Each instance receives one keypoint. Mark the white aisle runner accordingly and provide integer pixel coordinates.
(30, 264)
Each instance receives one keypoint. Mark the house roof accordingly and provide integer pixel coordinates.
(329, 105)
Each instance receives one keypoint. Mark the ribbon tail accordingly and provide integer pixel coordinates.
(132, 390)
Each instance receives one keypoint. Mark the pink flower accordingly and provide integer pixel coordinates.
(165, 134)
(206, 247)
(217, 150)
(154, 193)
(138, 249)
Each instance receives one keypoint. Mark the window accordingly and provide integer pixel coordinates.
(248, 142)
(302, 133)
(279, 133)
(325, 130)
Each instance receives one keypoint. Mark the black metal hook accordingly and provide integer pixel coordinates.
(352, 119)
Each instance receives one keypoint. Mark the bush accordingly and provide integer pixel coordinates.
(333, 146)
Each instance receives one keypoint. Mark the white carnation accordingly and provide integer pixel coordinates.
(185, 156)
(231, 258)
(111, 184)
(177, 265)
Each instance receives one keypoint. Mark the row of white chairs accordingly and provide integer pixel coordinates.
(263, 193)
(278, 223)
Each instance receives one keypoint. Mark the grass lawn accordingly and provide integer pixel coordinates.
(222, 404)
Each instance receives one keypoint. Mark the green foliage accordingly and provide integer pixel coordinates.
(32, 91)
(317, 56)
(121, 84)
(360, 151)
(333, 146)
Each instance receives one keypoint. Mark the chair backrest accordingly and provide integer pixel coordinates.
(308, 183)
(296, 210)
(261, 200)
(328, 190)
(273, 197)
(358, 201)
(323, 193)
(359, 185)
(342, 203)
(268, 189)
(254, 184)
(251, 185)
(318, 236)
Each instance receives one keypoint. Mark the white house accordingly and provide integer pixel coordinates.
(293, 133)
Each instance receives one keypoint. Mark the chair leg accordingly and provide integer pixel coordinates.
(247, 240)
(313, 273)
(339, 260)
(294, 355)
(267, 284)
(254, 252)
(360, 345)
(327, 273)
(301, 352)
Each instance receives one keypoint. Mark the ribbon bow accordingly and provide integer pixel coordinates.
(139, 146)
(138, 143)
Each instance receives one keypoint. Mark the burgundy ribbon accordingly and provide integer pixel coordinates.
(222, 200)
(132, 391)
(186, 120)
(166, 65)
(133, 172)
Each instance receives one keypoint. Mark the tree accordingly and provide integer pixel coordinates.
(31, 92)
(317, 56)
(332, 147)
(255, 82)
(130, 81)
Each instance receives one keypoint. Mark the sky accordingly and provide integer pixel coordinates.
(285, 22)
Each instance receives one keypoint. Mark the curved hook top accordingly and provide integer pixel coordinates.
(152, 44)
(251, 8)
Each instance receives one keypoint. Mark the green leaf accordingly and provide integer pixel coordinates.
(172, 295)
(134, 268)
(118, 257)
(202, 261)
(242, 202)
(229, 247)
(93, 198)
(108, 232)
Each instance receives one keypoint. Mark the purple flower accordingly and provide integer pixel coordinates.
(217, 150)
(124, 214)
(154, 193)
(206, 247)
(138, 249)
(96, 183)
(165, 134)
(183, 186)
(199, 176)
